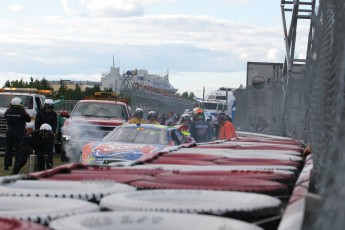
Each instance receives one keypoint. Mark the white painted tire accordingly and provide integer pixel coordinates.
(85, 190)
(43, 210)
(9, 179)
(129, 220)
(192, 201)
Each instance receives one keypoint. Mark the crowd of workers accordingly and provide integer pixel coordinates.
(40, 141)
(193, 123)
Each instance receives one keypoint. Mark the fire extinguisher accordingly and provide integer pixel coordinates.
(33, 162)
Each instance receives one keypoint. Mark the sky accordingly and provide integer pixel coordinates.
(202, 43)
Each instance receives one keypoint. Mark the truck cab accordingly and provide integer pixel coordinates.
(213, 107)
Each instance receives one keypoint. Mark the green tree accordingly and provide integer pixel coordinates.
(77, 94)
(7, 84)
(191, 96)
(91, 91)
(184, 95)
(62, 91)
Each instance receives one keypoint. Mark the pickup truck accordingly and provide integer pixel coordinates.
(91, 120)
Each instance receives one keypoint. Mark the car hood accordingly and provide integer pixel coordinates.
(97, 120)
(100, 152)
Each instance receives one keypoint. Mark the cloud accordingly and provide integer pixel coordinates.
(273, 54)
(182, 43)
(237, 2)
(16, 8)
(103, 9)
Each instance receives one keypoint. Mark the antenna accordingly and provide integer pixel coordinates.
(113, 62)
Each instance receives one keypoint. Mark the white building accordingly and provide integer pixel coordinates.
(114, 80)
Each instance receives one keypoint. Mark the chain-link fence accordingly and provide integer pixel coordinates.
(325, 73)
(310, 107)
(157, 102)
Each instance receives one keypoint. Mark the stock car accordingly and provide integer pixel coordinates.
(131, 143)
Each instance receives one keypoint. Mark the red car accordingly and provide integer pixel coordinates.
(131, 143)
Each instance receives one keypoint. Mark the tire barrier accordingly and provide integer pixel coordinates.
(252, 182)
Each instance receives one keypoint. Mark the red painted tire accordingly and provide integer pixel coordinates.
(213, 183)
(180, 161)
(14, 224)
(80, 176)
(259, 175)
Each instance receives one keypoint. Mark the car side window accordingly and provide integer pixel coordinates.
(181, 137)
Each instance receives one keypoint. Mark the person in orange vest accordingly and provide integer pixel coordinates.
(227, 129)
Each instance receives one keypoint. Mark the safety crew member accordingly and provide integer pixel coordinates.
(138, 117)
(16, 118)
(226, 129)
(152, 118)
(47, 115)
(185, 119)
(40, 141)
(199, 128)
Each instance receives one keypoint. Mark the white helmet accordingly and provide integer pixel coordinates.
(139, 111)
(16, 101)
(48, 102)
(46, 127)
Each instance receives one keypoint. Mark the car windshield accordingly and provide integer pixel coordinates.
(138, 135)
(5, 100)
(100, 110)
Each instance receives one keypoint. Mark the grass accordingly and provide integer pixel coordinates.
(56, 161)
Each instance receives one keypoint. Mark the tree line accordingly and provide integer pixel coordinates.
(70, 94)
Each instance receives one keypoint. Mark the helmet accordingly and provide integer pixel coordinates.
(198, 114)
(185, 117)
(46, 127)
(187, 111)
(221, 117)
(139, 111)
(152, 114)
(49, 103)
(16, 101)
(197, 111)
(45, 131)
